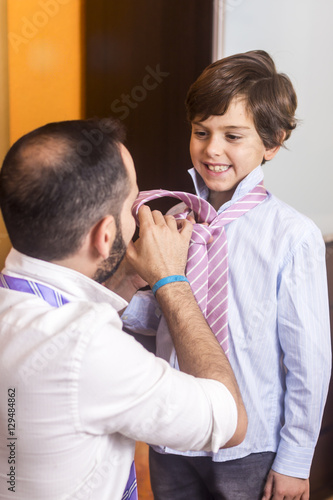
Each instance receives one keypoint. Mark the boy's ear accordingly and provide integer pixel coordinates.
(103, 235)
(270, 153)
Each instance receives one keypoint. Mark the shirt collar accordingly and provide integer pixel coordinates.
(248, 183)
(70, 283)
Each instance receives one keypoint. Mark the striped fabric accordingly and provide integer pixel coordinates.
(131, 490)
(55, 299)
(279, 331)
(52, 297)
(207, 262)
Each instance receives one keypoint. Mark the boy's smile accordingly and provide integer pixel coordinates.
(225, 149)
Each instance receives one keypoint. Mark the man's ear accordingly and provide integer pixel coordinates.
(103, 235)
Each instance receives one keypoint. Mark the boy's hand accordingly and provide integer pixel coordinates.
(281, 487)
(162, 247)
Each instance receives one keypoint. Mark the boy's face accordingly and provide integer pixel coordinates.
(225, 149)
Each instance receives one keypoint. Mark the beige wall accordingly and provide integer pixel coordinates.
(300, 39)
(4, 118)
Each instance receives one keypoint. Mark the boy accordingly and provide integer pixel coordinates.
(242, 111)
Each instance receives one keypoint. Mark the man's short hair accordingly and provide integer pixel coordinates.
(58, 181)
(269, 97)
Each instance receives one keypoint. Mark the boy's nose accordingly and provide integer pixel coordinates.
(214, 147)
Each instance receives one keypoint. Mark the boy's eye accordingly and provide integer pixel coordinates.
(232, 137)
(200, 134)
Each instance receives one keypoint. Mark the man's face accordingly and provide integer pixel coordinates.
(127, 221)
(110, 265)
(125, 224)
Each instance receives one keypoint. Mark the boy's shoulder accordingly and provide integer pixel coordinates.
(286, 212)
(289, 221)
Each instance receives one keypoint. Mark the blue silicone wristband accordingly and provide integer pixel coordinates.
(168, 279)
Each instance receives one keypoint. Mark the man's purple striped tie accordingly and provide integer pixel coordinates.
(207, 261)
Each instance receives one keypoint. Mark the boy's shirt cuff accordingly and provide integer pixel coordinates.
(294, 461)
(143, 314)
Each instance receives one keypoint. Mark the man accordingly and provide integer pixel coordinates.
(76, 390)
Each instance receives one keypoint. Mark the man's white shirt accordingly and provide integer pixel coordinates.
(85, 391)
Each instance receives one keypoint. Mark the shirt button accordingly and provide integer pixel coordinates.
(158, 312)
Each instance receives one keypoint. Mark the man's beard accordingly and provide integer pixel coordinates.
(110, 265)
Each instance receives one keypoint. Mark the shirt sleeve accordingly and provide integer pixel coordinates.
(304, 335)
(143, 314)
(125, 389)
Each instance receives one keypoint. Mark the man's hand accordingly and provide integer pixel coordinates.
(281, 487)
(161, 251)
(162, 247)
(125, 281)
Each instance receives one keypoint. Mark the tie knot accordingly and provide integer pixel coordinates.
(201, 234)
(201, 208)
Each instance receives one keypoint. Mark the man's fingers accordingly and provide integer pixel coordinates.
(171, 222)
(191, 219)
(186, 228)
(146, 216)
(131, 251)
(162, 246)
(158, 218)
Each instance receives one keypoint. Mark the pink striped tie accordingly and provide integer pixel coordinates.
(207, 263)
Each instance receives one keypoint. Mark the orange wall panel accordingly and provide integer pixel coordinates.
(44, 69)
(45, 63)
(4, 116)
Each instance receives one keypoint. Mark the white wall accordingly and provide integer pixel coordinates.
(298, 34)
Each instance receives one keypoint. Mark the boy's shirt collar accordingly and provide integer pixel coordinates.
(248, 183)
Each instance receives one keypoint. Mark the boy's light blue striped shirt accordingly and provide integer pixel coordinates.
(279, 333)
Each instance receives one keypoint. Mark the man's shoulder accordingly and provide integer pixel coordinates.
(36, 339)
(26, 312)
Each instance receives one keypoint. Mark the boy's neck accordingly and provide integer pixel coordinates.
(218, 198)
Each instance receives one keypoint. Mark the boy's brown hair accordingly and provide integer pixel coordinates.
(269, 96)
